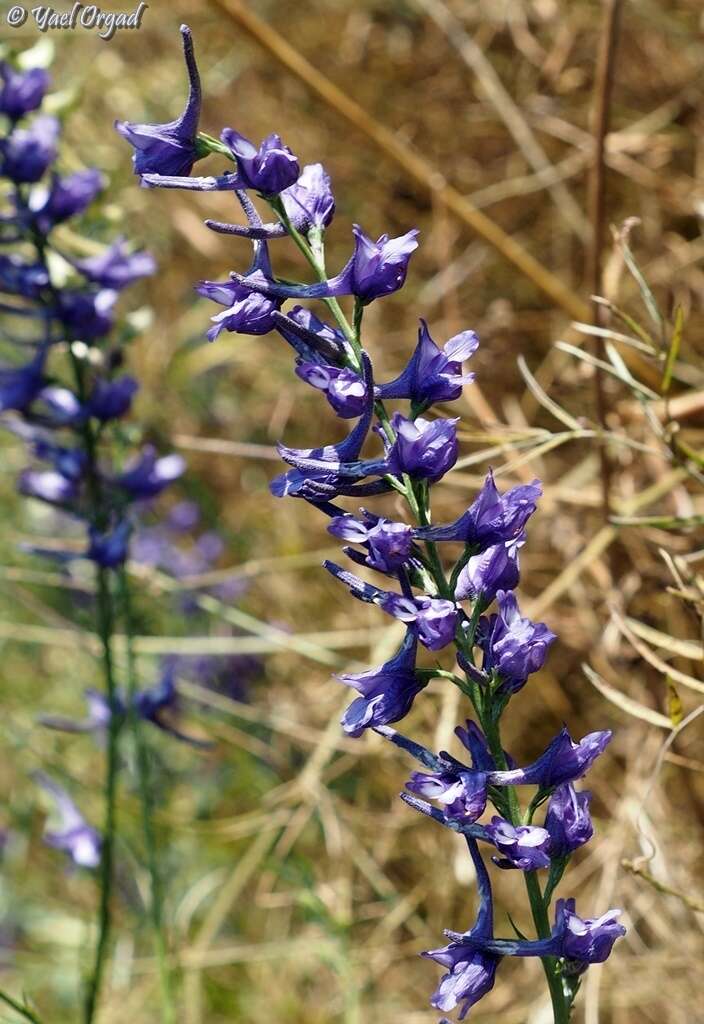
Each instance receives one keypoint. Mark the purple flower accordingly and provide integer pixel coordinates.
(28, 152)
(157, 705)
(493, 518)
(312, 339)
(58, 407)
(65, 198)
(471, 974)
(471, 970)
(579, 941)
(585, 940)
(269, 169)
(109, 548)
(20, 385)
(116, 267)
(71, 834)
(21, 91)
(111, 399)
(149, 475)
(320, 474)
(563, 761)
(425, 449)
(150, 546)
(375, 269)
(461, 793)
(171, 148)
(70, 462)
(87, 315)
(433, 375)
(568, 820)
(386, 692)
(523, 846)
(513, 647)
(434, 618)
(48, 485)
(20, 278)
(388, 544)
(378, 268)
(309, 202)
(492, 570)
(183, 516)
(473, 739)
(97, 720)
(160, 706)
(343, 388)
(248, 312)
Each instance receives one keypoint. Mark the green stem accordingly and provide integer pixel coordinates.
(207, 144)
(539, 911)
(105, 631)
(317, 262)
(146, 797)
(423, 504)
(106, 628)
(23, 1011)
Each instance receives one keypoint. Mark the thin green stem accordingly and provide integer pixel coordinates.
(423, 504)
(106, 628)
(23, 1011)
(105, 631)
(316, 261)
(207, 144)
(146, 797)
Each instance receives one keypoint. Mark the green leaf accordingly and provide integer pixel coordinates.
(557, 870)
(674, 704)
(517, 930)
(646, 294)
(673, 350)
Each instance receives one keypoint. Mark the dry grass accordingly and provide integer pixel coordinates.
(300, 889)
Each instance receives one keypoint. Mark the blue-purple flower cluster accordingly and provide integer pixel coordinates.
(441, 603)
(62, 387)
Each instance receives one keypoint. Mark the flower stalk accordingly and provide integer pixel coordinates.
(443, 603)
(61, 394)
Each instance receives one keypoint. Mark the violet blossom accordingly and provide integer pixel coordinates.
(171, 148)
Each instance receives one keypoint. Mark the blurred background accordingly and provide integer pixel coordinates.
(300, 889)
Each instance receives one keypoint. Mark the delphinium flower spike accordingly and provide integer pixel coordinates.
(441, 600)
(63, 392)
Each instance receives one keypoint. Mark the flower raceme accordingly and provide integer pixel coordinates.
(63, 391)
(440, 602)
